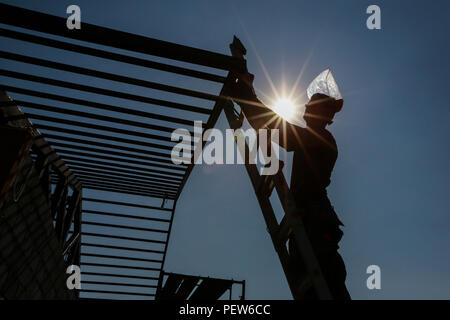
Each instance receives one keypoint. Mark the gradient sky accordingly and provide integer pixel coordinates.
(389, 186)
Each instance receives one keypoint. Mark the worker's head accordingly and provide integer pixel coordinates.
(320, 110)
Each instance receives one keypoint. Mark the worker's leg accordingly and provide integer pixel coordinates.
(333, 269)
(299, 268)
(331, 264)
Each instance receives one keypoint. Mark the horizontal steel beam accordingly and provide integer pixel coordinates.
(95, 116)
(118, 275)
(101, 91)
(137, 193)
(93, 182)
(110, 55)
(121, 189)
(106, 76)
(96, 255)
(117, 171)
(103, 156)
(124, 188)
(126, 204)
(87, 178)
(107, 171)
(106, 137)
(118, 292)
(117, 165)
(114, 176)
(120, 215)
(165, 157)
(119, 284)
(103, 235)
(114, 173)
(107, 265)
(121, 226)
(97, 105)
(95, 127)
(118, 39)
(104, 246)
(114, 179)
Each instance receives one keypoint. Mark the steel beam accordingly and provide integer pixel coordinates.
(95, 116)
(103, 235)
(118, 39)
(104, 246)
(121, 226)
(96, 255)
(120, 215)
(101, 91)
(107, 76)
(127, 204)
(110, 55)
(118, 275)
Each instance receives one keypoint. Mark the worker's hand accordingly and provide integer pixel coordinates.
(242, 88)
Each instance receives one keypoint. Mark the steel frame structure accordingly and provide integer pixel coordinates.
(128, 153)
(180, 287)
(65, 198)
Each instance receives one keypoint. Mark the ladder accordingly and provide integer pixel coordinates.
(291, 223)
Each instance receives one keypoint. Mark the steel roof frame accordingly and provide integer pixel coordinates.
(113, 158)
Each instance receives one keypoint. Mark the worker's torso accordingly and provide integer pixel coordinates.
(313, 163)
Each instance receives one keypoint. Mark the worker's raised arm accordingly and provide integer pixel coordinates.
(260, 116)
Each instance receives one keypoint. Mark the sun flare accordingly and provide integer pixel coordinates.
(285, 108)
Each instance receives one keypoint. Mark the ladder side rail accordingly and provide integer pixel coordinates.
(291, 222)
(266, 208)
(294, 222)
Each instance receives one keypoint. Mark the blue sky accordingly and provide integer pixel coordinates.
(389, 186)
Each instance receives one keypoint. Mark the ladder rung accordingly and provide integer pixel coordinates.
(266, 183)
(284, 230)
(265, 186)
(304, 286)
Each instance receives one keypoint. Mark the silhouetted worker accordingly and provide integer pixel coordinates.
(315, 153)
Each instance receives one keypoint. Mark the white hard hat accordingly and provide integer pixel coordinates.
(325, 84)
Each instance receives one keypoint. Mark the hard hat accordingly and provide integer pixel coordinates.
(324, 86)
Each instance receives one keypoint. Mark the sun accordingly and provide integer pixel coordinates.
(285, 108)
